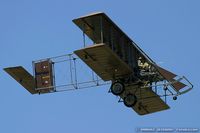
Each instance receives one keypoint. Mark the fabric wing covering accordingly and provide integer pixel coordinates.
(169, 76)
(22, 77)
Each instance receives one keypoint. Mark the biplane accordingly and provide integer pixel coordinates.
(115, 59)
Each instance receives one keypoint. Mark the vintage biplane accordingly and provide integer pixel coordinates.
(114, 59)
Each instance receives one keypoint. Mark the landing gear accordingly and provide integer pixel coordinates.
(130, 100)
(117, 88)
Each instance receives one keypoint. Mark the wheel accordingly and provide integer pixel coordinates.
(175, 98)
(130, 100)
(117, 88)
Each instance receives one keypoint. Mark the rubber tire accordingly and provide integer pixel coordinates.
(129, 97)
(175, 98)
(117, 84)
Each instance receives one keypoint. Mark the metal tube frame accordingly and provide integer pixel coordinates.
(74, 83)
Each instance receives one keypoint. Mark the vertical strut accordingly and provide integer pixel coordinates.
(165, 96)
(76, 81)
(156, 90)
(84, 36)
(97, 80)
(84, 40)
(71, 74)
(165, 89)
(33, 65)
(54, 76)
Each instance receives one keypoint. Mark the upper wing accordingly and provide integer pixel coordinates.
(94, 24)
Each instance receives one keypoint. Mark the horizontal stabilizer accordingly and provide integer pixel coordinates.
(22, 77)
